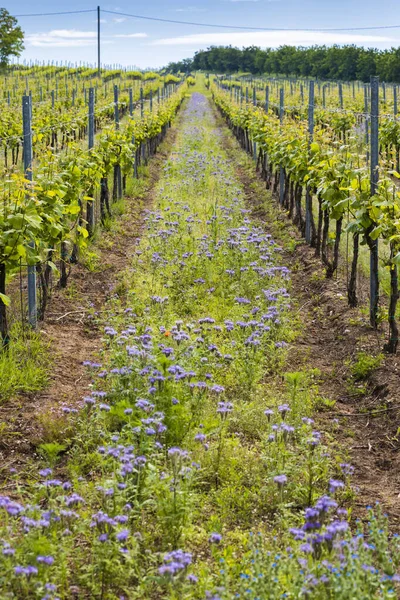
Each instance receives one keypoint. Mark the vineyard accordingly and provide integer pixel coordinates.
(331, 152)
(73, 143)
(199, 306)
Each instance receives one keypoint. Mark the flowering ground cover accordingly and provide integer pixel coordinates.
(196, 469)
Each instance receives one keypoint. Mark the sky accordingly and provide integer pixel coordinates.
(150, 44)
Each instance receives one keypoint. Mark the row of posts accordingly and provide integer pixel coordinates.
(28, 158)
(371, 106)
(164, 92)
(243, 96)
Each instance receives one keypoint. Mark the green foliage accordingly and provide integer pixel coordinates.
(52, 429)
(268, 572)
(36, 218)
(347, 62)
(11, 37)
(24, 364)
(92, 261)
(334, 168)
(365, 365)
(51, 452)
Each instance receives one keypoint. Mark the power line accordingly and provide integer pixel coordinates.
(111, 12)
(219, 26)
(51, 14)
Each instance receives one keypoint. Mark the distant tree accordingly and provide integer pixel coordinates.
(389, 64)
(247, 59)
(322, 62)
(200, 60)
(187, 65)
(11, 37)
(287, 58)
(260, 59)
(366, 64)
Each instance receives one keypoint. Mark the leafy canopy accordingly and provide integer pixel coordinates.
(11, 37)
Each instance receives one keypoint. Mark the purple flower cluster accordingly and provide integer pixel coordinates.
(175, 562)
(321, 529)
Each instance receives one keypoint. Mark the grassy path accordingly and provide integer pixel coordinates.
(195, 455)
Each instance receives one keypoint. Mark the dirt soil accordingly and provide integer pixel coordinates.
(31, 419)
(362, 423)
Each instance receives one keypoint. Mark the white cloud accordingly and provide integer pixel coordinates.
(131, 35)
(42, 43)
(62, 38)
(119, 19)
(272, 39)
(70, 38)
(71, 33)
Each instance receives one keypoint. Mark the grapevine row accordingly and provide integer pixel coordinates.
(53, 214)
(331, 176)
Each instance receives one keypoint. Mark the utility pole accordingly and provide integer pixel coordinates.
(98, 42)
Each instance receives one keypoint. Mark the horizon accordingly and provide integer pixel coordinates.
(149, 44)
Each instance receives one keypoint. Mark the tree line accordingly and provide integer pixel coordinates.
(322, 62)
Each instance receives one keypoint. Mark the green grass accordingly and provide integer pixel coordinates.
(365, 365)
(24, 364)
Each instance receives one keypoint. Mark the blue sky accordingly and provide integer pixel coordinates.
(146, 44)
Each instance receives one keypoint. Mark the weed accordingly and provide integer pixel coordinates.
(24, 364)
(53, 428)
(365, 365)
(51, 452)
(72, 291)
(322, 404)
(92, 261)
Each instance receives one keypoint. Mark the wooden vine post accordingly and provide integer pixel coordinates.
(90, 206)
(366, 110)
(130, 102)
(309, 214)
(117, 188)
(374, 176)
(281, 169)
(27, 143)
(341, 95)
(254, 142)
(116, 108)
